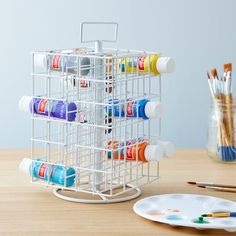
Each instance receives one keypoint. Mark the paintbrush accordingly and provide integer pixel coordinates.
(231, 190)
(220, 214)
(215, 90)
(216, 83)
(228, 115)
(210, 85)
(212, 184)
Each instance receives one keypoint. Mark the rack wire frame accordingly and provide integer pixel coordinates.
(82, 144)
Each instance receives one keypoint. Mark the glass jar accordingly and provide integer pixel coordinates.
(221, 130)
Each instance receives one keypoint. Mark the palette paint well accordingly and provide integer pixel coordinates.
(185, 210)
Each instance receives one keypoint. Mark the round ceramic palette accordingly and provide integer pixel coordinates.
(185, 210)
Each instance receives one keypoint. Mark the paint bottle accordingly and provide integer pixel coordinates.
(66, 61)
(44, 107)
(135, 148)
(143, 108)
(156, 63)
(53, 173)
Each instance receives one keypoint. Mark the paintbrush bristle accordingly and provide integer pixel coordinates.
(201, 186)
(191, 182)
(227, 67)
(214, 73)
(208, 75)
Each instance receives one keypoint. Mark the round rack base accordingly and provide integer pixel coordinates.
(136, 192)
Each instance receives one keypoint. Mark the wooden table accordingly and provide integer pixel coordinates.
(27, 209)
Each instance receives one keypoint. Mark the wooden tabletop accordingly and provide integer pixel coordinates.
(28, 209)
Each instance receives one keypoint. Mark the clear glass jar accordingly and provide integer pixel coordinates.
(221, 130)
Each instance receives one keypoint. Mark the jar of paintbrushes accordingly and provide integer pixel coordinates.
(222, 119)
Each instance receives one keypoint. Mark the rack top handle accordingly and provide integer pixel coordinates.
(98, 23)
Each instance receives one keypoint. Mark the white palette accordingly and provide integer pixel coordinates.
(184, 209)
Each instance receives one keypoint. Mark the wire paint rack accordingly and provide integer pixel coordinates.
(92, 79)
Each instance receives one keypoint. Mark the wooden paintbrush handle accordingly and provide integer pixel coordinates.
(228, 119)
(230, 190)
(218, 185)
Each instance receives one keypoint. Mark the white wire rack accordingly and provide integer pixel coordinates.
(82, 144)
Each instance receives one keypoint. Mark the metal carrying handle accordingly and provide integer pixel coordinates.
(98, 23)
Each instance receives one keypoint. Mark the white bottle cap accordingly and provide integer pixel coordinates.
(40, 60)
(168, 148)
(24, 103)
(165, 64)
(153, 110)
(25, 165)
(153, 152)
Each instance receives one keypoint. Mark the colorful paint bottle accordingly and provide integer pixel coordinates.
(64, 61)
(45, 171)
(135, 148)
(42, 106)
(143, 108)
(156, 63)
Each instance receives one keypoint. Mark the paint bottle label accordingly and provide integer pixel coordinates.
(42, 106)
(130, 108)
(84, 84)
(74, 81)
(42, 170)
(56, 62)
(141, 64)
(129, 149)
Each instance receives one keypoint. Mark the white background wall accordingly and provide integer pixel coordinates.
(199, 34)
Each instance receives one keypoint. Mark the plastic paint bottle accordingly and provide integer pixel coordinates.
(146, 152)
(143, 108)
(45, 171)
(63, 61)
(157, 64)
(42, 106)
